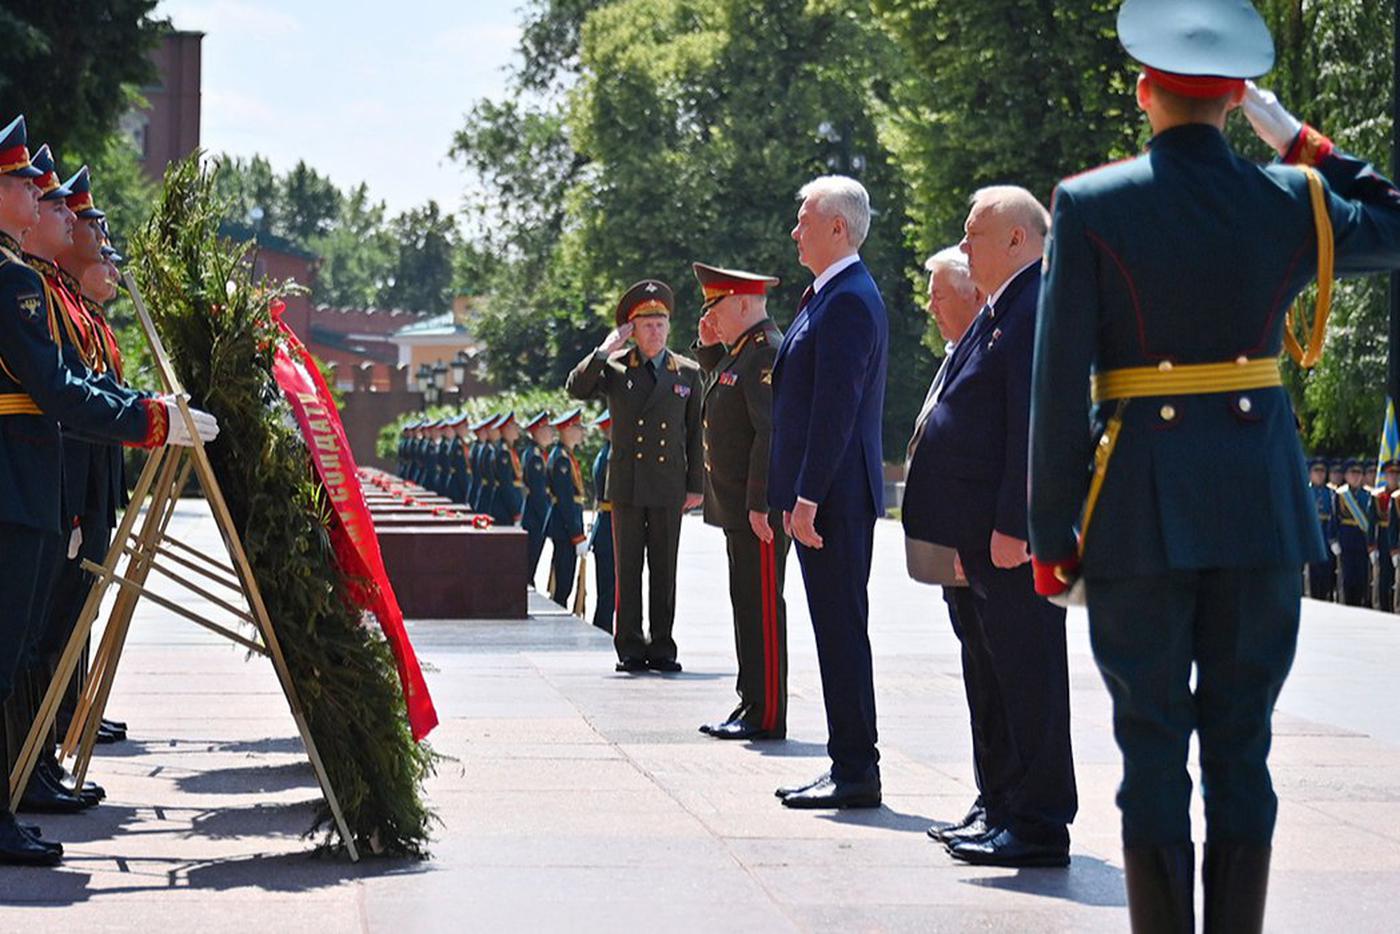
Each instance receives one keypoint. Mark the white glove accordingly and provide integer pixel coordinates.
(205, 424)
(1337, 549)
(75, 541)
(1375, 557)
(1075, 596)
(1272, 123)
(581, 548)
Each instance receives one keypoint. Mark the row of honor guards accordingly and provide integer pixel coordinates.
(526, 475)
(65, 414)
(1360, 522)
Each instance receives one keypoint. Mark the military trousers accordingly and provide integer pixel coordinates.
(26, 574)
(1238, 627)
(650, 537)
(1385, 582)
(604, 572)
(565, 563)
(756, 571)
(1322, 580)
(836, 577)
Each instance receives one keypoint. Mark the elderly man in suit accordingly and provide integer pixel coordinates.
(825, 473)
(966, 489)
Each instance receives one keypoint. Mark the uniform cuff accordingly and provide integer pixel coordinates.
(157, 424)
(1053, 578)
(803, 499)
(1309, 148)
(577, 539)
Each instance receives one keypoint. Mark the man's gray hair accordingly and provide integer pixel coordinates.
(1018, 203)
(844, 197)
(955, 261)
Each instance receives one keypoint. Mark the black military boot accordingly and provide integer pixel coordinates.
(19, 843)
(1161, 884)
(1237, 884)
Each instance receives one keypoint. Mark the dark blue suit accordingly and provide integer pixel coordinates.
(967, 478)
(828, 399)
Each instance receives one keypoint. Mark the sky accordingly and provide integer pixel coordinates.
(361, 91)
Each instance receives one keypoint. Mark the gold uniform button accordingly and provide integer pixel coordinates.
(663, 442)
(640, 439)
(1245, 404)
(662, 458)
(641, 422)
(1242, 360)
(1165, 366)
(639, 455)
(663, 426)
(1168, 413)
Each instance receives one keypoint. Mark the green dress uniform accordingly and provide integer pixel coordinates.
(737, 417)
(1167, 280)
(656, 460)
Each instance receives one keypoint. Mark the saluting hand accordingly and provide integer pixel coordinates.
(709, 331)
(804, 524)
(1008, 552)
(758, 521)
(617, 338)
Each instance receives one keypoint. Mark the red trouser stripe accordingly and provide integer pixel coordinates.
(770, 635)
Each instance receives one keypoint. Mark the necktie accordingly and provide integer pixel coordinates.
(651, 371)
(807, 295)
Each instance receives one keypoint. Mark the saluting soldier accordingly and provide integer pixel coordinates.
(538, 437)
(509, 500)
(600, 537)
(565, 520)
(1322, 575)
(1356, 535)
(1166, 276)
(736, 348)
(655, 474)
(37, 391)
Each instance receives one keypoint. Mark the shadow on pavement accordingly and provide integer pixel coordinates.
(249, 779)
(788, 749)
(258, 820)
(1088, 881)
(883, 817)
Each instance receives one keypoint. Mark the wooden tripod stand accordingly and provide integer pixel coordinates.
(153, 548)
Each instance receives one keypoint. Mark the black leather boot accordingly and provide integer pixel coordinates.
(1237, 885)
(1161, 884)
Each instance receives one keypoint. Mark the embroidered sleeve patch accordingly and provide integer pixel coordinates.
(31, 302)
(767, 377)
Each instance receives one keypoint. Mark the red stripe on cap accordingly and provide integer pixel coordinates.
(1196, 86)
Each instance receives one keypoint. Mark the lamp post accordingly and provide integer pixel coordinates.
(459, 365)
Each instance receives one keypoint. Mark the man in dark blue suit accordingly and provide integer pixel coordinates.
(825, 473)
(966, 489)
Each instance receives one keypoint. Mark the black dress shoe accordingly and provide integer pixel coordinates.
(833, 794)
(106, 737)
(785, 790)
(665, 665)
(42, 797)
(17, 848)
(631, 665)
(738, 729)
(960, 832)
(65, 779)
(1004, 848)
(116, 726)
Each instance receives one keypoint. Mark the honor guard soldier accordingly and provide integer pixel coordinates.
(410, 454)
(565, 521)
(1386, 532)
(1322, 575)
(401, 455)
(600, 537)
(1356, 535)
(442, 447)
(490, 480)
(37, 392)
(539, 435)
(419, 469)
(655, 474)
(1368, 475)
(1336, 472)
(737, 346)
(509, 501)
(474, 457)
(459, 473)
(1166, 277)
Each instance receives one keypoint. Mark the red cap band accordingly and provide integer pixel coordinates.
(1195, 86)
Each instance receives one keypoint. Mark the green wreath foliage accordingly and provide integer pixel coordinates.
(214, 316)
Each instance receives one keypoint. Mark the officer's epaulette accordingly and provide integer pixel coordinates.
(675, 361)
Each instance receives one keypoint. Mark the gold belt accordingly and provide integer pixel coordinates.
(604, 507)
(1186, 379)
(19, 404)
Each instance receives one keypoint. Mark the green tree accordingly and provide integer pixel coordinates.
(74, 67)
(310, 204)
(251, 192)
(119, 184)
(423, 273)
(357, 252)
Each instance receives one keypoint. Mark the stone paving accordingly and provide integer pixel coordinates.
(574, 798)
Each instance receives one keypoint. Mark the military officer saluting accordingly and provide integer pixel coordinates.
(1165, 279)
(655, 473)
(1322, 575)
(737, 346)
(538, 437)
(600, 537)
(1356, 535)
(565, 520)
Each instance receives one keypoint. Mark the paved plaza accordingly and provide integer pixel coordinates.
(574, 798)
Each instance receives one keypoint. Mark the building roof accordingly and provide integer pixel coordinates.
(437, 327)
(264, 240)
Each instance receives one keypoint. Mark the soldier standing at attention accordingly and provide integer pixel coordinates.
(737, 346)
(486, 466)
(600, 537)
(401, 459)
(1386, 532)
(1356, 536)
(565, 521)
(459, 472)
(538, 436)
(1167, 276)
(655, 473)
(1322, 575)
(509, 500)
(474, 458)
(1336, 472)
